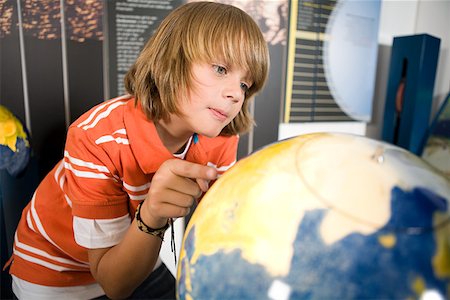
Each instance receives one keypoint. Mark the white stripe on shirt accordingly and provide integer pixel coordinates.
(223, 168)
(87, 164)
(100, 107)
(42, 262)
(42, 253)
(40, 227)
(138, 188)
(85, 174)
(110, 138)
(104, 114)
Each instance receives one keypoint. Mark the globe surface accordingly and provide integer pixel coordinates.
(321, 216)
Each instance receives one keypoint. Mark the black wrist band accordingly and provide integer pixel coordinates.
(159, 232)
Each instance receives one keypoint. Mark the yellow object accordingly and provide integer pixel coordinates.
(10, 129)
(387, 240)
(441, 260)
(419, 286)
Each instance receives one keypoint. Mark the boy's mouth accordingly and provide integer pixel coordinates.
(218, 114)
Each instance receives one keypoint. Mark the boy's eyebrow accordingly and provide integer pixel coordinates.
(248, 77)
(249, 81)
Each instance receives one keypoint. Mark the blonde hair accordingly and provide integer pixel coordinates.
(197, 32)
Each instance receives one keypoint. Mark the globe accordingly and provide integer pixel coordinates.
(321, 216)
(14, 144)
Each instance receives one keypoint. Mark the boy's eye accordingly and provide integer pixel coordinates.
(220, 70)
(244, 87)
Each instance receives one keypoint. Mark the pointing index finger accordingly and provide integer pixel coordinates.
(193, 170)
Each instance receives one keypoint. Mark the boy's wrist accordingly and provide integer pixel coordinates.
(153, 228)
(149, 219)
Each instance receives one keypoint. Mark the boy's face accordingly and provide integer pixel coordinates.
(215, 97)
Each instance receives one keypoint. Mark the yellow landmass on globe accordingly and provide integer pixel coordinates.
(245, 200)
(268, 177)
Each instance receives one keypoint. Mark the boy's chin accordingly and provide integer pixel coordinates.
(211, 133)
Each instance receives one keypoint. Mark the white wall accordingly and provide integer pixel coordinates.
(434, 17)
(407, 17)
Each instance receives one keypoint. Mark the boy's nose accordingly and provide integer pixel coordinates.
(233, 90)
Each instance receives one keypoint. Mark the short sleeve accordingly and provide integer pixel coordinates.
(93, 187)
(92, 182)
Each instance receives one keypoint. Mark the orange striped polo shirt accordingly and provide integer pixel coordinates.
(111, 154)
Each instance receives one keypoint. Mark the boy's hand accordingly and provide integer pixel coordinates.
(173, 189)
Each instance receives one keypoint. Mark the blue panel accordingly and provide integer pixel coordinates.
(410, 87)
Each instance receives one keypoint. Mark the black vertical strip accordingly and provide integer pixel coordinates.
(268, 102)
(85, 76)
(243, 146)
(11, 84)
(399, 98)
(84, 38)
(41, 24)
(110, 16)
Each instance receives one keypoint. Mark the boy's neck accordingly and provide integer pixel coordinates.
(173, 137)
